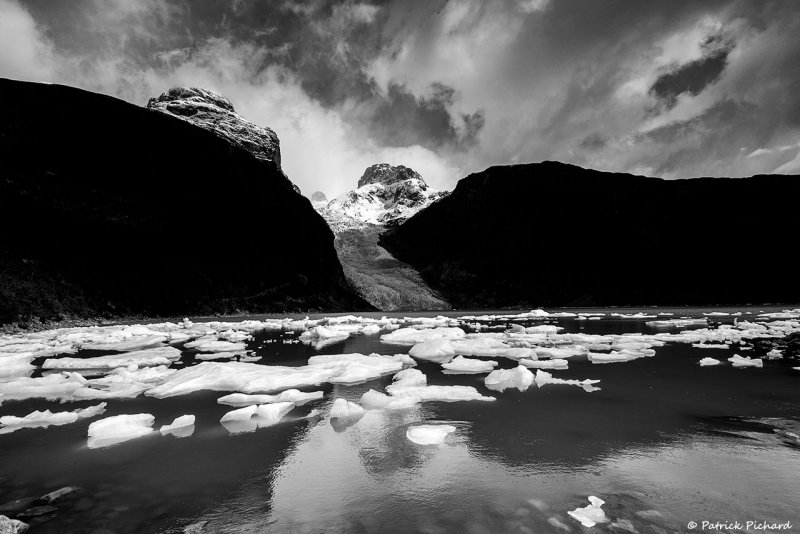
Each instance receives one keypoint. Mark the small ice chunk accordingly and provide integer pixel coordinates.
(242, 414)
(119, 428)
(745, 361)
(290, 395)
(436, 350)
(460, 364)
(429, 434)
(557, 363)
(774, 354)
(502, 379)
(590, 515)
(615, 356)
(408, 378)
(544, 378)
(216, 356)
(181, 427)
(438, 393)
(270, 414)
(215, 345)
(709, 361)
(374, 400)
(344, 409)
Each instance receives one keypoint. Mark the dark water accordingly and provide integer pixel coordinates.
(662, 434)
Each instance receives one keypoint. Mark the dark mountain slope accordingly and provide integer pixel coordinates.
(110, 209)
(551, 234)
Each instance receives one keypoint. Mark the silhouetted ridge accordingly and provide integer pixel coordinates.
(552, 234)
(111, 209)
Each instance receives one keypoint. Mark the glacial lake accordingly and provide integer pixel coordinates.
(663, 442)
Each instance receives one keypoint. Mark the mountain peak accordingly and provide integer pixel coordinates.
(188, 100)
(386, 174)
(214, 112)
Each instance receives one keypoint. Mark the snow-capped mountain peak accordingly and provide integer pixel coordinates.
(385, 195)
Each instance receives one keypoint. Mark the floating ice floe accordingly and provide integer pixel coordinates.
(133, 343)
(255, 378)
(290, 395)
(14, 365)
(459, 364)
(557, 363)
(774, 354)
(676, 323)
(533, 314)
(502, 379)
(251, 418)
(544, 329)
(374, 400)
(70, 386)
(320, 336)
(481, 345)
(745, 361)
(413, 336)
(711, 345)
(543, 378)
(355, 368)
(633, 316)
(206, 357)
(560, 352)
(119, 428)
(429, 434)
(181, 427)
(37, 419)
(212, 344)
(705, 362)
(344, 409)
(413, 383)
(624, 355)
(140, 358)
(590, 515)
(436, 350)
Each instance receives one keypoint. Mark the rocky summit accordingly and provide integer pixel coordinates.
(214, 112)
(386, 195)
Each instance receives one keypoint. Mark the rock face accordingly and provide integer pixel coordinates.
(551, 234)
(111, 210)
(215, 113)
(383, 173)
(385, 196)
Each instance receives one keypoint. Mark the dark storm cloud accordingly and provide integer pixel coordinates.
(402, 119)
(680, 88)
(694, 76)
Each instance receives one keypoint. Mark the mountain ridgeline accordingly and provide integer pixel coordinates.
(552, 234)
(110, 210)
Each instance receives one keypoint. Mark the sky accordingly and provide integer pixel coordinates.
(675, 89)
